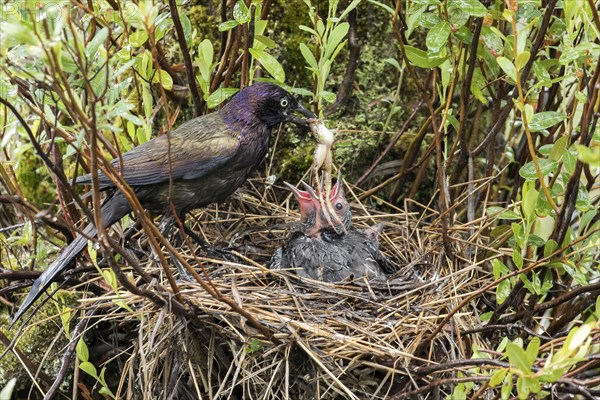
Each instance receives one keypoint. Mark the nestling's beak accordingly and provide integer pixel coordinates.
(306, 200)
(338, 188)
(310, 190)
(298, 120)
(300, 195)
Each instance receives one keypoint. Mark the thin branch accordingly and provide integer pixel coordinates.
(185, 53)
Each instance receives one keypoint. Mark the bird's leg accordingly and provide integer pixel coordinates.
(165, 227)
(210, 250)
(196, 238)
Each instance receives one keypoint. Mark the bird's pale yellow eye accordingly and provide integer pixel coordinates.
(284, 102)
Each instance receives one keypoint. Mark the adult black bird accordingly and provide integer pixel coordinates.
(208, 159)
(326, 252)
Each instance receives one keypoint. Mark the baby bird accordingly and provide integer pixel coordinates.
(324, 252)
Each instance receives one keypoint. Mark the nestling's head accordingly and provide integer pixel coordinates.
(340, 206)
(309, 206)
(270, 103)
(313, 217)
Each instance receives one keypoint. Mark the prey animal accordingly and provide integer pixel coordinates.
(320, 251)
(203, 161)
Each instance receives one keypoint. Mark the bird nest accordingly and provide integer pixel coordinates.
(257, 333)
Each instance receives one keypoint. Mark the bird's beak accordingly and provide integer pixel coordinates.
(300, 195)
(310, 190)
(298, 120)
(305, 200)
(337, 190)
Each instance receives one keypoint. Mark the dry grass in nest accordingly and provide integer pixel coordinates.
(350, 341)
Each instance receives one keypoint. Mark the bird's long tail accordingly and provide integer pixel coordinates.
(58, 266)
(112, 210)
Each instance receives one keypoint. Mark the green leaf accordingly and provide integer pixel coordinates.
(583, 199)
(544, 120)
(502, 344)
(568, 56)
(307, 29)
(518, 358)
(492, 41)
(508, 67)
(110, 278)
(219, 96)
(541, 72)
(350, 7)
(528, 204)
(205, 59)
(535, 240)
(320, 28)
(106, 391)
(558, 148)
(240, 12)
(163, 25)
(149, 12)
(265, 41)
(498, 377)
(532, 350)
(506, 389)
(328, 96)
(518, 234)
(97, 41)
(335, 37)
(528, 171)
(122, 109)
(164, 79)
(421, 59)
(138, 38)
(510, 216)
(227, 25)
(186, 26)
(428, 20)
(308, 56)
(517, 258)
(522, 59)
(393, 62)
(147, 101)
(503, 291)
(550, 247)
(269, 63)
(437, 37)
(387, 8)
(569, 161)
(471, 7)
(88, 368)
(499, 268)
(486, 316)
(81, 350)
(522, 387)
(589, 155)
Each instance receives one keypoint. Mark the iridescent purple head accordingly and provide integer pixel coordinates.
(267, 103)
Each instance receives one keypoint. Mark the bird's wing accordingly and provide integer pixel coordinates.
(188, 158)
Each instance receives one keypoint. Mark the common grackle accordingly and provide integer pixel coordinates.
(205, 159)
(324, 252)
